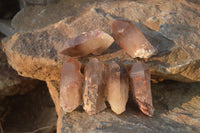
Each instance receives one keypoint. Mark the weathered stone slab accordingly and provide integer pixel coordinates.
(54, 88)
(174, 31)
(177, 40)
(176, 111)
(10, 82)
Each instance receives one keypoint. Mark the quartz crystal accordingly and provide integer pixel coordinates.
(132, 40)
(93, 95)
(141, 87)
(95, 42)
(71, 85)
(117, 87)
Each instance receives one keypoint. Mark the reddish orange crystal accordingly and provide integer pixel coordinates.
(71, 86)
(93, 95)
(141, 87)
(117, 87)
(95, 42)
(132, 40)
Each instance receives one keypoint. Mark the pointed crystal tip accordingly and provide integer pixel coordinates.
(93, 89)
(141, 87)
(132, 40)
(71, 85)
(117, 87)
(95, 42)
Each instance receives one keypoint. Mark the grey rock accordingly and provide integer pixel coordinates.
(5, 28)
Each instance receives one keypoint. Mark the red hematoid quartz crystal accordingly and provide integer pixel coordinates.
(117, 87)
(93, 95)
(141, 87)
(95, 42)
(71, 85)
(132, 40)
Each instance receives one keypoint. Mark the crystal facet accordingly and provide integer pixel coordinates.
(132, 40)
(71, 85)
(117, 87)
(95, 42)
(93, 95)
(141, 87)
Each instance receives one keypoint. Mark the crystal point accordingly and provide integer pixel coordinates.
(93, 95)
(71, 86)
(141, 87)
(95, 42)
(132, 40)
(117, 87)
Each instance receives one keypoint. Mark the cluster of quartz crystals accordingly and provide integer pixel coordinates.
(106, 83)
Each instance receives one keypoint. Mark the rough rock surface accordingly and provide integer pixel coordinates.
(177, 40)
(54, 87)
(33, 52)
(10, 82)
(174, 114)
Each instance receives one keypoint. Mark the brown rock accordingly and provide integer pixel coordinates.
(177, 59)
(153, 23)
(132, 40)
(41, 66)
(93, 89)
(177, 111)
(117, 87)
(10, 82)
(71, 86)
(95, 42)
(53, 87)
(141, 87)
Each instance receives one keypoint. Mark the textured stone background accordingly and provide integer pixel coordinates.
(38, 38)
(172, 26)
